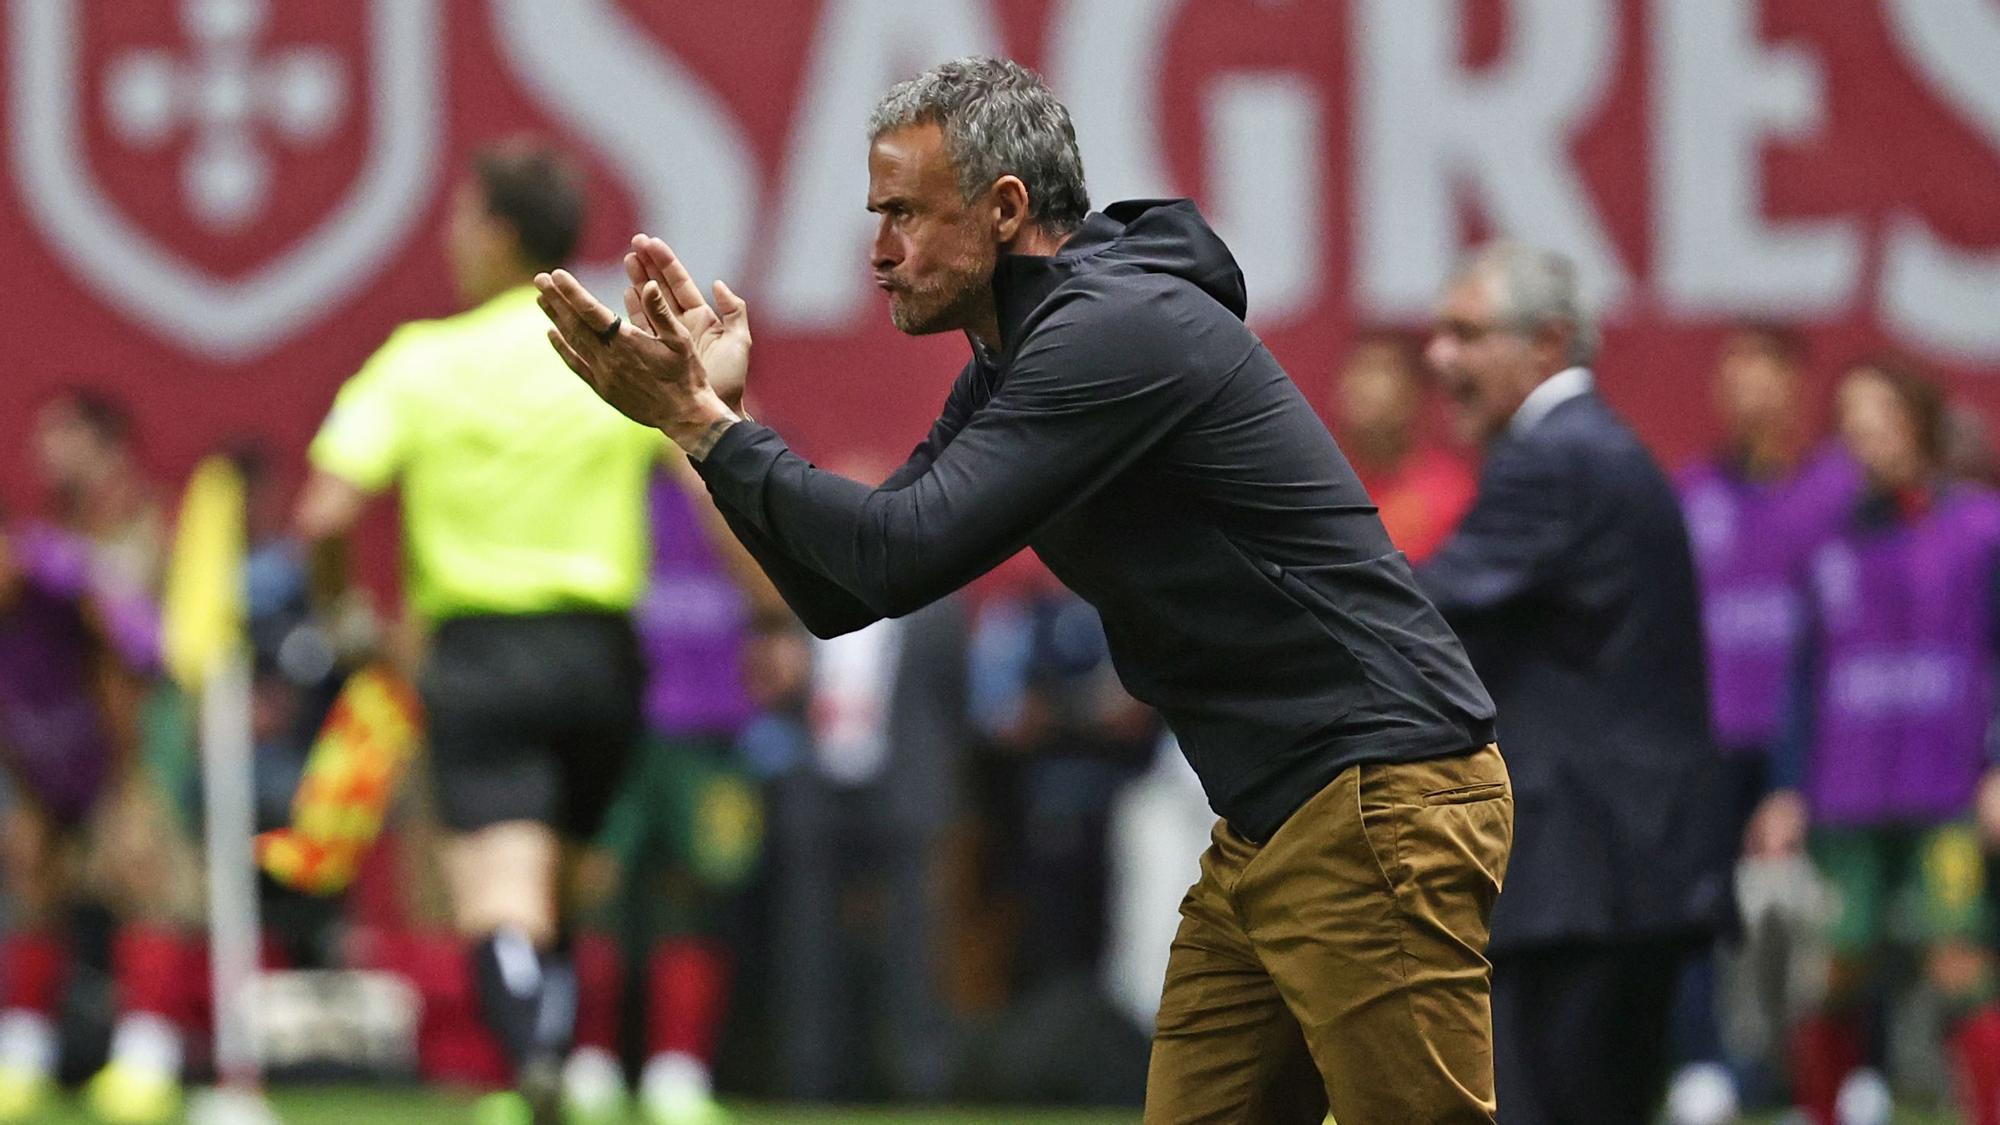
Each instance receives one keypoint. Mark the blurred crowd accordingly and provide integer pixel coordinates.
(868, 868)
(935, 858)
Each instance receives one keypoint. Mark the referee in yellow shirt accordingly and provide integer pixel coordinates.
(525, 548)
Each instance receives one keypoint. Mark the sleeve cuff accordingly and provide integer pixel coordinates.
(735, 470)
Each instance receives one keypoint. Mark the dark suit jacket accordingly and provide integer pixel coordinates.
(1572, 586)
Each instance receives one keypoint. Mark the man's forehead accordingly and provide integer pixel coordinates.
(1469, 293)
(908, 158)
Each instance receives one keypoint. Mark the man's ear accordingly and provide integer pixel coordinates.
(1010, 208)
(1553, 340)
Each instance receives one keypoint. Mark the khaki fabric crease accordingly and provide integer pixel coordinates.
(1342, 965)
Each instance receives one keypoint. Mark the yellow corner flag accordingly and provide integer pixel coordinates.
(202, 617)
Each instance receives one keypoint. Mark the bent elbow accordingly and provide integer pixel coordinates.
(827, 626)
(905, 598)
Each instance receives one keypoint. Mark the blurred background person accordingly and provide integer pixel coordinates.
(1571, 584)
(65, 634)
(687, 831)
(857, 822)
(296, 673)
(1060, 741)
(291, 659)
(134, 860)
(97, 489)
(1421, 489)
(1753, 509)
(1969, 451)
(1066, 735)
(524, 556)
(1886, 775)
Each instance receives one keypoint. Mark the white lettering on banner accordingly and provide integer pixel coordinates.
(1431, 135)
(1104, 62)
(1718, 96)
(233, 319)
(820, 258)
(676, 146)
(1428, 127)
(1266, 148)
(1933, 293)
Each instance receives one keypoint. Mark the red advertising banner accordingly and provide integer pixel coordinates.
(218, 208)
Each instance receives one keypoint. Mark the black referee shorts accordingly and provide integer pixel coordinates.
(532, 717)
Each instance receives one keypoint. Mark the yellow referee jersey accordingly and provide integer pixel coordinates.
(522, 492)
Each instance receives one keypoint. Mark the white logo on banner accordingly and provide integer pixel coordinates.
(221, 93)
(220, 89)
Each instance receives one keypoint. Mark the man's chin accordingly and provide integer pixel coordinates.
(914, 326)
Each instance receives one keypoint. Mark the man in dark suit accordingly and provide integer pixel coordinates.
(1571, 583)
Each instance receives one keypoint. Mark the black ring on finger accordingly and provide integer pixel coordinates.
(610, 331)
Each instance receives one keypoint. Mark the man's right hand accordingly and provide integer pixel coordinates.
(1777, 830)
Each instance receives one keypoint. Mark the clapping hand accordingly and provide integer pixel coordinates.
(676, 365)
(722, 338)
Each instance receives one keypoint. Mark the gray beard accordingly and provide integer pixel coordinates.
(957, 301)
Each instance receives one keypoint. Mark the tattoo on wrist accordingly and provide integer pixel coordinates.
(710, 434)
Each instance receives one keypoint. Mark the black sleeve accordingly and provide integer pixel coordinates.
(1511, 542)
(822, 606)
(968, 393)
(1087, 394)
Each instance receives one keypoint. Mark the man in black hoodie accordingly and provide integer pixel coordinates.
(1119, 417)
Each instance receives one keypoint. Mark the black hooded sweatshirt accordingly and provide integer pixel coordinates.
(1133, 431)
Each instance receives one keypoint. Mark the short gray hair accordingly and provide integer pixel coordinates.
(1533, 287)
(999, 119)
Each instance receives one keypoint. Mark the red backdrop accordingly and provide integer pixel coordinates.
(217, 208)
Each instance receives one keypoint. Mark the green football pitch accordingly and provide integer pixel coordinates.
(413, 1107)
(402, 1107)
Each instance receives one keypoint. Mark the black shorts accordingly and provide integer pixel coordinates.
(532, 717)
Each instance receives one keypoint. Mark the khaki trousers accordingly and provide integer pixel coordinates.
(1342, 965)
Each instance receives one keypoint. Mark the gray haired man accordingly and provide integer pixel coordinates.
(1572, 583)
(1118, 416)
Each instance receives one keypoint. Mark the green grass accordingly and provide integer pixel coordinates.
(414, 1107)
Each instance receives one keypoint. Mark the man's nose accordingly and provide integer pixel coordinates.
(884, 255)
(1438, 352)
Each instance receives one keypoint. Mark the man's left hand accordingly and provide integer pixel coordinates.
(721, 333)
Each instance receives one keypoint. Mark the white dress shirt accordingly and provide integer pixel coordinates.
(1555, 390)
